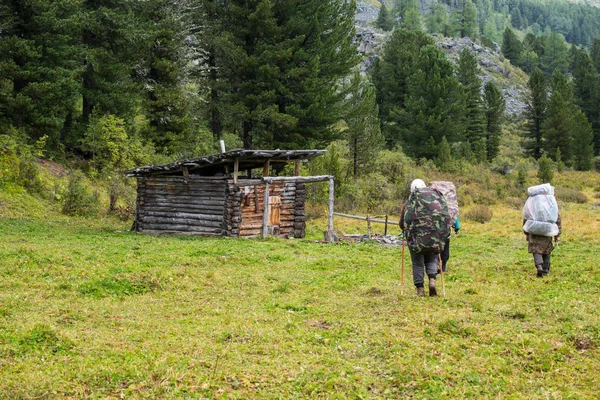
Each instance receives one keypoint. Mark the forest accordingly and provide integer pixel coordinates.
(100, 86)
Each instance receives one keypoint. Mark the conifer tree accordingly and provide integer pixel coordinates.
(391, 75)
(39, 70)
(468, 20)
(443, 159)
(384, 19)
(362, 129)
(556, 54)
(284, 67)
(468, 75)
(165, 102)
(583, 150)
(495, 104)
(511, 46)
(536, 111)
(437, 19)
(435, 103)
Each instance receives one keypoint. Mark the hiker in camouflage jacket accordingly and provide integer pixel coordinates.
(424, 260)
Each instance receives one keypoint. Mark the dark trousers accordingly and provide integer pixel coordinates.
(445, 254)
(542, 262)
(421, 263)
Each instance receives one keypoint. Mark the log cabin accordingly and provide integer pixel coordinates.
(212, 196)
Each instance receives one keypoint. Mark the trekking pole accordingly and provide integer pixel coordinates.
(402, 274)
(442, 276)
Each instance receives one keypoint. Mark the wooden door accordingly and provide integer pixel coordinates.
(275, 210)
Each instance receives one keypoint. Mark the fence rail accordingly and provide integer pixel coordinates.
(369, 219)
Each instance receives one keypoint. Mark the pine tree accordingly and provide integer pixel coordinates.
(39, 70)
(595, 54)
(536, 112)
(362, 131)
(391, 75)
(468, 75)
(284, 67)
(443, 159)
(511, 46)
(468, 20)
(384, 19)
(435, 103)
(495, 104)
(583, 151)
(165, 103)
(545, 170)
(437, 19)
(556, 54)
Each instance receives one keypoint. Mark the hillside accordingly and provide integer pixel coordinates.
(492, 63)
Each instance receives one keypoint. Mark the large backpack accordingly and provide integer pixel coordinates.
(427, 221)
(448, 190)
(541, 211)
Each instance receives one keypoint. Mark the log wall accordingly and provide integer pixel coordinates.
(193, 205)
(246, 200)
(197, 205)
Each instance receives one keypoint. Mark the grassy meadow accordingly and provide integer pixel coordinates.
(90, 310)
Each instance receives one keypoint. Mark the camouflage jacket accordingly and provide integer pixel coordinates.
(542, 244)
(426, 221)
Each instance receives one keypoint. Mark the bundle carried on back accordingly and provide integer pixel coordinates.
(427, 220)
(448, 190)
(541, 211)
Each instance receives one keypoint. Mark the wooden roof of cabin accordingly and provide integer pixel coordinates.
(247, 159)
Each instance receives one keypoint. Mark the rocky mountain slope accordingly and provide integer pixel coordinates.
(494, 66)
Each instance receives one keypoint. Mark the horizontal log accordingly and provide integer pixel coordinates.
(191, 177)
(182, 183)
(298, 179)
(211, 210)
(181, 221)
(184, 215)
(380, 221)
(177, 232)
(177, 202)
(181, 228)
(185, 191)
(250, 232)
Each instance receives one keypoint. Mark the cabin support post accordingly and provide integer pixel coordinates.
(266, 168)
(297, 170)
(236, 167)
(330, 235)
(265, 224)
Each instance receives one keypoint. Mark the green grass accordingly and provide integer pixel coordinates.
(90, 310)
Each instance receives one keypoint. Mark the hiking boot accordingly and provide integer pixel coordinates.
(421, 292)
(432, 288)
(540, 271)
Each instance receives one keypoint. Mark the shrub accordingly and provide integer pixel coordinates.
(479, 214)
(79, 201)
(570, 195)
(545, 172)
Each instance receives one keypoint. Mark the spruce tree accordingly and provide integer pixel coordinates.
(284, 67)
(511, 46)
(468, 20)
(384, 19)
(165, 103)
(437, 19)
(494, 106)
(39, 69)
(537, 100)
(435, 103)
(468, 75)
(583, 150)
(362, 129)
(391, 75)
(556, 54)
